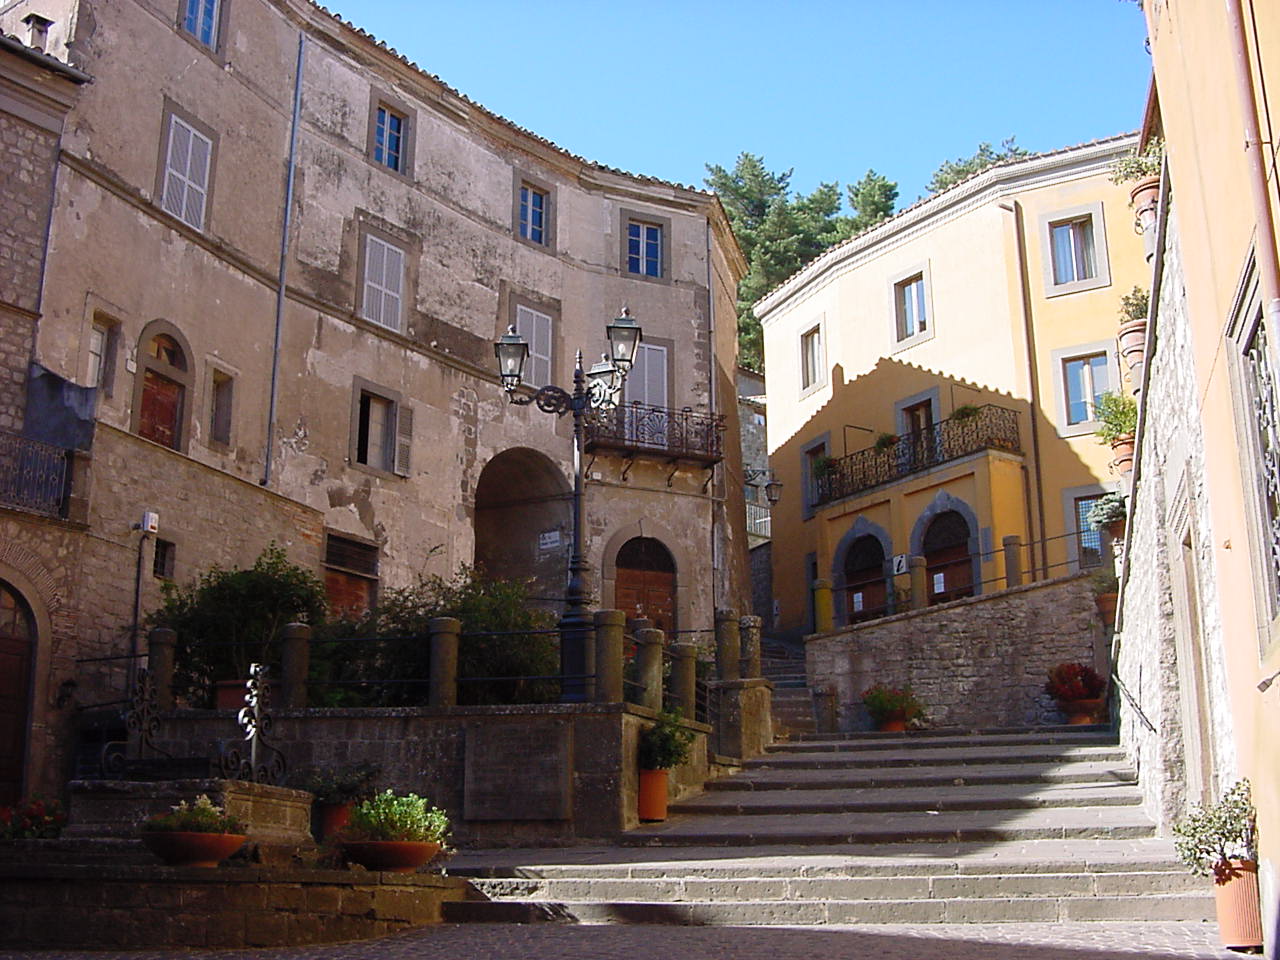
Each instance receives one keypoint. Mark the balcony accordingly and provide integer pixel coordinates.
(638, 429)
(34, 477)
(759, 520)
(991, 428)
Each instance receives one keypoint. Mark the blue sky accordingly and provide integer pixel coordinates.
(826, 88)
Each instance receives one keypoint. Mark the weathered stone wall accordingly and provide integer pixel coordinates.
(975, 662)
(762, 583)
(27, 155)
(424, 750)
(1169, 648)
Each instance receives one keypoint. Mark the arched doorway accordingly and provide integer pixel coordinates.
(948, 565)
(523, 522)
(866, 595)
(17, 646)
(645, 582)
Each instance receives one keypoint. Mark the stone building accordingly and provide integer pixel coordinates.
(933, 386)
(1198, 634)
(309, 358)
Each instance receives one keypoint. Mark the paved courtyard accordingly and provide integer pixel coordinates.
(1006, 941)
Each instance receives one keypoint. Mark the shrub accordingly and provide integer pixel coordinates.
(1109, 508)
(965, 411)
(886, 441)
(1135, 305)
(1074, 681)
(385, 816)
(664, 745)
(1210, 836)
(203, 816)
(1117, 416)
(884, 703)
(228, 619)
(33, 819)
(338, 785)
(1139, 165)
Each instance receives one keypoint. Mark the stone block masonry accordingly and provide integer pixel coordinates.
(978, 662)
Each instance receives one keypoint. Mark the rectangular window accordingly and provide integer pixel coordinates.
(102, 354)
(1090, 552)
(186, 172)
(816, 467)
(220, 408)
(1074, 257)
(163, 562)
(909, 300)
(1085, 380)
(350, 574)
(383, 433)
(644, 248)
(200, 19)
(533, 214)
(1263, 399)
(388, 138)
(383, 282)
(645, 409)
(811, 359)
(535, 327)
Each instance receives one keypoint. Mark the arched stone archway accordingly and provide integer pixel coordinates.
(645, 582)
(17, 659)
(948, 566)
(861, 528)
(942, 503)
(523, 522)
(684, 588)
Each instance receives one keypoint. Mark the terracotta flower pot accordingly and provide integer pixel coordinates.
(393, 856)
(180, 848)
(331, 818)
(1106, 603)
(652, 797)
(1236, 898)
(1122, 454)
(228, 694)
(895, 722)
(1081, 711)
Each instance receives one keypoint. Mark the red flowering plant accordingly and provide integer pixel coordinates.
(1074, 681)
(32, 819)
(884, 703)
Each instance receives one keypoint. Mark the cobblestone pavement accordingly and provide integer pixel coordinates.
(1005, 941)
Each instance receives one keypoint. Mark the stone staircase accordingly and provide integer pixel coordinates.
(990, 826)
(792, 702)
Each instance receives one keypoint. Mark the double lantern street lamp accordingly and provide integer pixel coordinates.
(598, 388)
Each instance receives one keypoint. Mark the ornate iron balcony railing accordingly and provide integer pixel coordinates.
(34, 476)
(991, 428)
(664, 432)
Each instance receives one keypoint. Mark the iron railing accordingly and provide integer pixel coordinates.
(34, 476)
(991, 427)
(659, 431)
(759, 520)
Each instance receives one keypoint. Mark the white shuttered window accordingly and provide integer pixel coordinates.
(535, 327)
(647, 381)
(186, 178)
(383, 282)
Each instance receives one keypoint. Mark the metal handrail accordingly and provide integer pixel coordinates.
(34, 476)
(642, 427)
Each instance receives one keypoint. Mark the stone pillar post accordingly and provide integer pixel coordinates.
(296, 661)
(749, 628)
(160, 643)
(609, 627)
(649, 662)
(1012, 562)
(825, 710)
(684, 678)
(728, 645)
(824, 608)
(442, 634)
(919, 584)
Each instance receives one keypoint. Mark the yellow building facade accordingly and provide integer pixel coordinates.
(931, 388)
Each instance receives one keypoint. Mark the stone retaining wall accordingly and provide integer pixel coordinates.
(977, 662)
(141, 907)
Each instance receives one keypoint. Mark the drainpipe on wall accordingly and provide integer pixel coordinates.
(711, 395)
(284, 263)
(1267, 260)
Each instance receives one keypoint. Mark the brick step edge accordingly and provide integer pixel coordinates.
(858, 838)
(728, 807)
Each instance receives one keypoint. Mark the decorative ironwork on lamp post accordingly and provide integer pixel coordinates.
(599, 388)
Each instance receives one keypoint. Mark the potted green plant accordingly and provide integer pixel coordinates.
(395, 833)
(1142, 169)
(199, 834)
(892, 709)
(1220, 840)
(966, 411)
(1078, 688)
(336, 791)
(1117, 416)
(886, 441)
(1135, 307)
(1106, 594)
(660, 747)
(1109, 513)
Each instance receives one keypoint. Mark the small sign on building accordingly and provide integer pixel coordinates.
(549, 540)
(900, 564)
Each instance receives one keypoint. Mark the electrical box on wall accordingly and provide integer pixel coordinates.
(150, 522)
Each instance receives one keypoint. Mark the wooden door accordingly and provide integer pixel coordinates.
(17, 635)
(645, 582)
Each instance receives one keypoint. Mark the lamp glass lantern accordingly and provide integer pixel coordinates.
(773, 491)
(512, 351)
(624, 340)
(605, 382)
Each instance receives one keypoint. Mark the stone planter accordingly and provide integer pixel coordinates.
(393, 856)
(180, 848)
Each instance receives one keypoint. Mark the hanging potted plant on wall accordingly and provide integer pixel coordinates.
(1219, 840)
(1142, 169)
(1117, 416)
(395, 833)
(198, 834)
(1078, 688)
(892, 709)
(1135, 307)
(662, 746)
(1109, 513)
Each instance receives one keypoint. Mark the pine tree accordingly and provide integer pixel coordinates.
(871, 199)
(953, 171)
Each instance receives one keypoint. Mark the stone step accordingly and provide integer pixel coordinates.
(820, 777)
(919, 887)
(911, 827)
(897, 742)
(1172, 906)
(889, 800)
(949, 732)
(930, 755)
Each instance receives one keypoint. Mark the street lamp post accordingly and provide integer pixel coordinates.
(597, 388)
